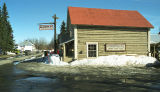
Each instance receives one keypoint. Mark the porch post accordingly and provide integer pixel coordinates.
(154, 52)
(75, 43)
(64, 50)
(149, 51)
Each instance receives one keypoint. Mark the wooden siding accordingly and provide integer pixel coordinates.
(135, 39)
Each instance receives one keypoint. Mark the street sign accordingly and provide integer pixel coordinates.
(45, 27)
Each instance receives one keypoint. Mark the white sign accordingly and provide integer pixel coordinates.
(45, 27)
(116, 47)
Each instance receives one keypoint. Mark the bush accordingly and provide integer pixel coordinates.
(16, 51)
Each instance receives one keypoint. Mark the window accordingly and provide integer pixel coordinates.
(92, 49)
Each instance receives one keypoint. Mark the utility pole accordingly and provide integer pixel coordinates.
(55, 42)
(159, 31)
(50, 27)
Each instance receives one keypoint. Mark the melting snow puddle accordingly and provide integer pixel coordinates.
(34, 84)
(157, 86)
(39, 80)
(16, 62)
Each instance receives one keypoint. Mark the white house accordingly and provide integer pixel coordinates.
(26, 45)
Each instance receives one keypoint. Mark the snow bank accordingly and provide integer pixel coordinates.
(109, 61)
(10, 53)
(54, 59)
(115, 60)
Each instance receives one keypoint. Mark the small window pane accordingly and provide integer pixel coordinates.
(92, 50)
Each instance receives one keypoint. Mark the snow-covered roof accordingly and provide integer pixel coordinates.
(26, 43)
(154, 38)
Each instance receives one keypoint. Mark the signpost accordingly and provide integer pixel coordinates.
(49, 26)
(55, 42)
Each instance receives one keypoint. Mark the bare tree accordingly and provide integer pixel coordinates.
(40, 44)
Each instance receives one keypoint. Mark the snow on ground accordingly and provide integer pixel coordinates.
(54, 59)
(110, 61)
(10, 53)
(115, 60)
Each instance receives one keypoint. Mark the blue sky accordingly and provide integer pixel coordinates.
(26, 14)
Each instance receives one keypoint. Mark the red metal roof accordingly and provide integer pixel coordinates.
(107, 17)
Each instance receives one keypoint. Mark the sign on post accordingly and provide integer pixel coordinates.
(116, 47)
(45, 27)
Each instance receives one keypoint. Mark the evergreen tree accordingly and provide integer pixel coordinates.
(5, 13)
(10, 41)
(63, 27)
(0, 29)
(7, 42)
(4, 28)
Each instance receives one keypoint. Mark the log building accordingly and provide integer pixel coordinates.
(95, 32)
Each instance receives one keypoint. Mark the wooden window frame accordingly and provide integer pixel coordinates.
(94, 43)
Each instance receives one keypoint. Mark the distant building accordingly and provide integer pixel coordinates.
(26, 45)
(95, 32)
